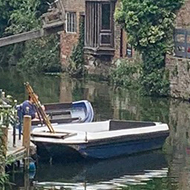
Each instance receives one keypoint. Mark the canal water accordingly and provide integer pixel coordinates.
(166, 169)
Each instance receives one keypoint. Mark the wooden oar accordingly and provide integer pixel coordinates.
(39, 107)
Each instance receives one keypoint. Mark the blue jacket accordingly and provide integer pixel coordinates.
(28, 109)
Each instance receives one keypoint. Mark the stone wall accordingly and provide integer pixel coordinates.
(98, 65)
(179, 76)
(183, 15)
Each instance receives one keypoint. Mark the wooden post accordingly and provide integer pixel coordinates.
(26, 138)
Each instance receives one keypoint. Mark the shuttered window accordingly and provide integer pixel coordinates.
(71, 22)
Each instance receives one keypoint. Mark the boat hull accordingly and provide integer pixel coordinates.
(101, 149)
(122, 148)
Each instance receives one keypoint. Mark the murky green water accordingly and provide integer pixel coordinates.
(152, 170)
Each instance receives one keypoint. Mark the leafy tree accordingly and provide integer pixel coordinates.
(21, 15)
(149, 25)
(40, 55)
(126, 74)
(23, 18)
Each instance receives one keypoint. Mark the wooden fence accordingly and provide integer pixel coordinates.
(182, 43)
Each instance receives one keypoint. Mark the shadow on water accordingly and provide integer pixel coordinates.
(102, 170)
(102, 174)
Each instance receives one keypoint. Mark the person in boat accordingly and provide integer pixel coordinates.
(28, 108)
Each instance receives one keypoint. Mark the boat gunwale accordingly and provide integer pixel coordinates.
(91, 142)
(72, 129)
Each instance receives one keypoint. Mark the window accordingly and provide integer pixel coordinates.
(71, 25)
(129, 52)
(106, 17)
(99, 27)
(105, 39)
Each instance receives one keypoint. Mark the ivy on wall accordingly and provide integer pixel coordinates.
(76, 62)
(149, 25)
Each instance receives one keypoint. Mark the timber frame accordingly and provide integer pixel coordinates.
(99, 27)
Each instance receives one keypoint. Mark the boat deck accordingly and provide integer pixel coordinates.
(119, 125)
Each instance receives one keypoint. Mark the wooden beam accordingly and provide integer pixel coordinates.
(47, 30)
(21, 37)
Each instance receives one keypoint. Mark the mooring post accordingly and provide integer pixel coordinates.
(26, 139)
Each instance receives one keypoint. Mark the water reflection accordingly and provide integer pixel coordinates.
(107, 102)
(179, 141)
(106, 174)
(119, 104)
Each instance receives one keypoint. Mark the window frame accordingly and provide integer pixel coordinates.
(73, 29)
(102, 17)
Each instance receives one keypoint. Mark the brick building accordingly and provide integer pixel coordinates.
(72, 10)
(104, 39)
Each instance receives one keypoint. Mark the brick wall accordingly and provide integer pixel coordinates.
(68, 40)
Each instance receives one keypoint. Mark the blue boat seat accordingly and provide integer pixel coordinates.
(55, 114)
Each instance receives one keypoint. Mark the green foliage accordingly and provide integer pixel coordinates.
(21, 15)
(24, 17)
(8, 116)
(156, 83)
(126, 74)
(41, 55)
(18, 16)
(9, 54)
(149, 25)
(3, 178)
(76, 63)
